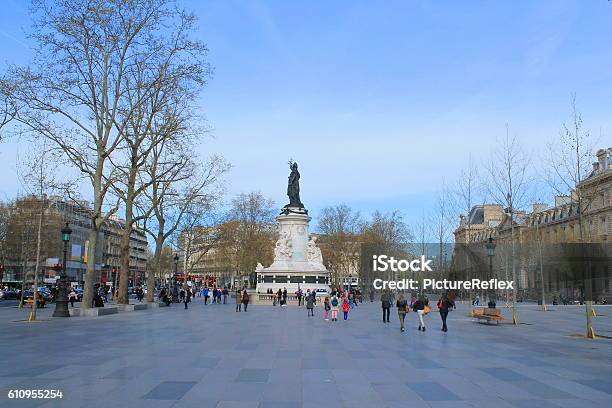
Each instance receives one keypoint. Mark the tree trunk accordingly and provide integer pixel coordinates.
(90, 274)
(153, 271)
(37, 266)
(124, 274)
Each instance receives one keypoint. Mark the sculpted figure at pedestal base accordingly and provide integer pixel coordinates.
(284, 247)
(314, 253)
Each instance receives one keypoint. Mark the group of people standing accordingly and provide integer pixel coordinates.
(217, 294)
(332, 304)
(418, 305)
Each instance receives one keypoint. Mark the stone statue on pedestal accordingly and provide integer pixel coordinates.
(293, 187)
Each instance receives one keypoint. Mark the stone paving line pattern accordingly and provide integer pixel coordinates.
(271, 357)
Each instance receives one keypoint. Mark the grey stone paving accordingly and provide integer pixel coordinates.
(211, 356)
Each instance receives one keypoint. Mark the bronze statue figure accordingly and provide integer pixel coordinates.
(293, 187)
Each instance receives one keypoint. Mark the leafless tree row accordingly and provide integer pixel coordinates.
(114, 87)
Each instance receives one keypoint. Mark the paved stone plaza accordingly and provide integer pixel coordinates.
(279, 358)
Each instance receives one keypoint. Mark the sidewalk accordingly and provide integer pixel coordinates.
(211, 356)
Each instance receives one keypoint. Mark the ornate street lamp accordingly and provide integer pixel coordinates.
(61, 300)
(491, 253)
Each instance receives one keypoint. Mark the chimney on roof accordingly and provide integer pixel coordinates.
(539, 207)
(602, 156)
(562, 200)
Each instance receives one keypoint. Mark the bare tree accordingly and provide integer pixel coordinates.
(340, 244)
(74, 93)
(388, 229)
(441, 221)
(186, 192)
(38, 178)
(248, 233)
(508, 185)
(468, 189)
(161, 87)
(386, 232)
(8, 109)
(569, 159)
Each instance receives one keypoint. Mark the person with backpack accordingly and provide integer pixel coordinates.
(346, 306)
(385, 300)
(402, 309)
(444, 305)
(310, 301)
(326, 307)
(334, 308)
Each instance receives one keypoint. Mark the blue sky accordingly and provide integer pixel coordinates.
(381, 102)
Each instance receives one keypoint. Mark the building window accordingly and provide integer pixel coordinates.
(281, 279)
(310, 279)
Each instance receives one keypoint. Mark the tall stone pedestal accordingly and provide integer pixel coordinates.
(298, 263)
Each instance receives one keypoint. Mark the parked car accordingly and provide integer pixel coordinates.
(46, 293)
(9, 294)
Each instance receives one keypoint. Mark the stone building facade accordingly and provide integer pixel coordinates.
(545, 236)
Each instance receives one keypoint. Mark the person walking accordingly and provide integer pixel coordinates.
(206, 295)
(225, 293)
(299, 296)
(402, 309)
(334, 308)
(238, 300)
(245, 299)
(163, 296)
(419, 308)
(346, 306)
(444, 306)
(326, 307)
(73, 297)
(285, 297)
(187, 297)
(354, 298)
(279, 295)
(310, 301)
(385, 300)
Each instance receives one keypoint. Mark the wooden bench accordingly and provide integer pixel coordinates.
(488, 315)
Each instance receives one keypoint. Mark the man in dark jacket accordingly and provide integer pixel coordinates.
(245, 299)
(444, 305)
(385, 300)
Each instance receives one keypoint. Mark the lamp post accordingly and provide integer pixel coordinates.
(491, 254)
(61, 300)
(174, 287)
